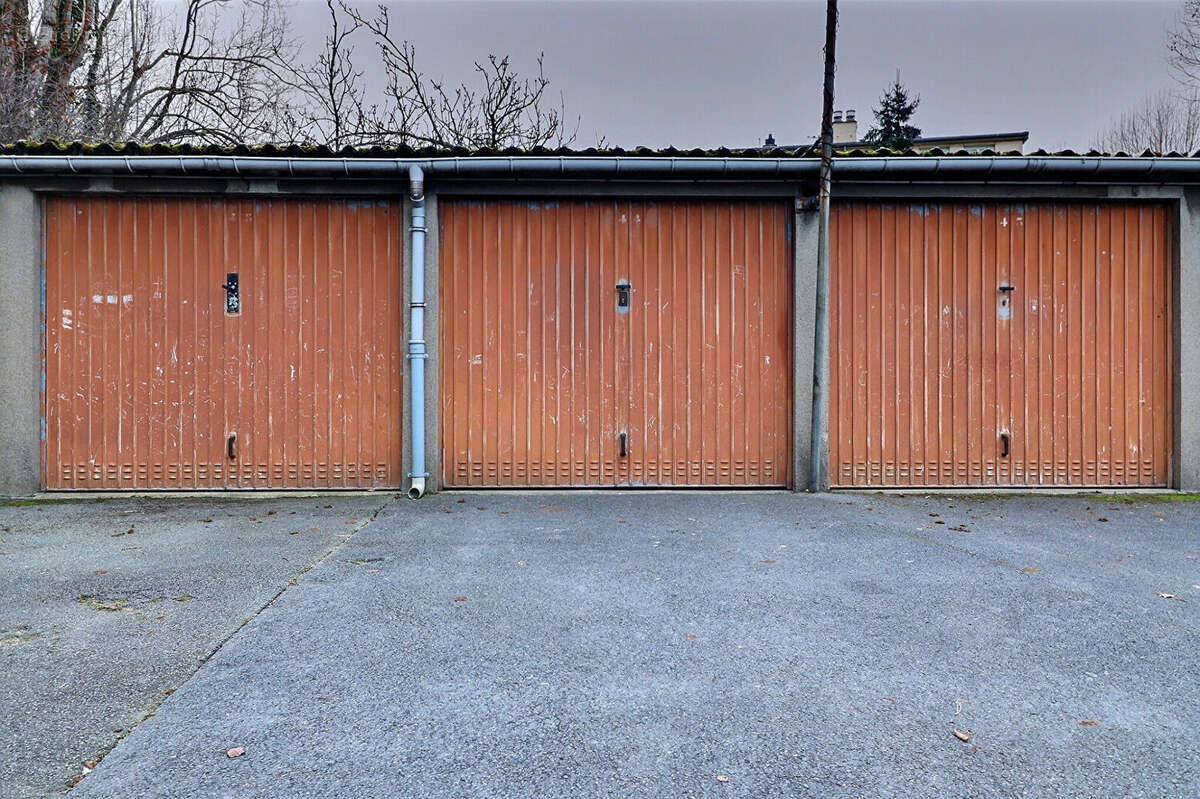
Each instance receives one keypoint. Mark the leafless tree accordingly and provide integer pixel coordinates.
(128, 70)
(1162, 123)
(213, 76)
(331, 105)
(41, 46)
(1169, 120)
(1183, 44)
(501, 110)
(228, 72)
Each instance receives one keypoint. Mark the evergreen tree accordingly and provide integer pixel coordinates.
(895, 109)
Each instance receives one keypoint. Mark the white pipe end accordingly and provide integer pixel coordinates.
(417, 489)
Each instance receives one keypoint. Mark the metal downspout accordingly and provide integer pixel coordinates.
(416, 342)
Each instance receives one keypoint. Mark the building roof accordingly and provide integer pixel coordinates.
(846, 150)
(799, 164)
(1023, 135)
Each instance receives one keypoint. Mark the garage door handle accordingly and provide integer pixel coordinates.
(1004, 444)
(624, 448)
(230, 448)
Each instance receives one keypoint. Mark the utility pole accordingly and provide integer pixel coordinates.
(820, 409)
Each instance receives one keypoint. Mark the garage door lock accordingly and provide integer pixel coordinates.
(233, 303)
(623, 290)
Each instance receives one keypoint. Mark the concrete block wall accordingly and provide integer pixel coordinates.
(20, 341)
(1187, 343)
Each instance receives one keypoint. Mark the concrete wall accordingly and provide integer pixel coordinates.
(1187, 343)
(433, 463)
(804, 311)
(20, 341)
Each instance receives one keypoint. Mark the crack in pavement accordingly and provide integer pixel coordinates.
(272, 600)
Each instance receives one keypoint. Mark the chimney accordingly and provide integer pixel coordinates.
(845, 129)
(769, 141)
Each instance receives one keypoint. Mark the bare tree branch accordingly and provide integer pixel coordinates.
(227, 72)
(501, 110)
(1162, 123)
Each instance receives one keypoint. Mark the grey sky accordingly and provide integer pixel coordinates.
(726, 73)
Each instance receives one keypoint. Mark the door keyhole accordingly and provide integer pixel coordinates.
(1005, 310)
(623, 291)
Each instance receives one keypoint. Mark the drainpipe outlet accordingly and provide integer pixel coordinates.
(417, 489)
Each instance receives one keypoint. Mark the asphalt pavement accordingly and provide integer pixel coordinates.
(107, 607)
(687, 644)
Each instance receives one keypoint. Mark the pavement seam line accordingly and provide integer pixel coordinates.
(291, 581)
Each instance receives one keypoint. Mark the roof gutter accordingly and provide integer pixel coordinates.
(1024, 169)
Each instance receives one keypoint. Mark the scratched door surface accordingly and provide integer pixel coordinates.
(152, 384)
(608, 343)
(1000, 344)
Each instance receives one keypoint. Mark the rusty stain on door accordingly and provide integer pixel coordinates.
(607, 343)
(160, 374)
(995, 344)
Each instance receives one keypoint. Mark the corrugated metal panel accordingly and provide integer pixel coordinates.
(542, 372)
(147, 376)
(935, 367)
(710, 343)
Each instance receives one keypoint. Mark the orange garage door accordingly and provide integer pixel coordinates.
(615, 343)
(1000, 344)
(159, 377)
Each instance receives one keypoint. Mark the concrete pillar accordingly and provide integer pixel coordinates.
(433, 402)
(1187, 344)
(804, 312)
(20, 342)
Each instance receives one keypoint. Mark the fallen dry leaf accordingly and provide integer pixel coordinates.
(100, 571)
(1101, 519)
(236, 751)
(90, 764)
(960, 735)
(1089, 723)
(690, 636)
(1030, 570)
(73, 781)
(722, 778)
(1170, 596)
(460, 598)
